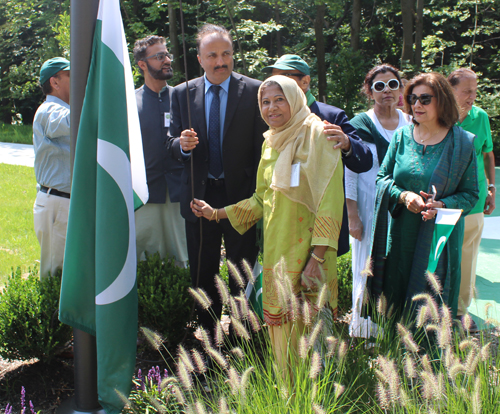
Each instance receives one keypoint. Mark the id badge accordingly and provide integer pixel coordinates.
(295, 176)
(166, 119)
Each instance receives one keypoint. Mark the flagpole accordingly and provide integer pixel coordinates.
(83, 19)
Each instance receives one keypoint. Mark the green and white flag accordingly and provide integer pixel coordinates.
(99, 289)
(446, 219)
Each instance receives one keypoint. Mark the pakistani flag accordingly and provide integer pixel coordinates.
(253, 291)
(99, 290)
(446, 219)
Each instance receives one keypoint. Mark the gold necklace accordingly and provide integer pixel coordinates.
(427, 139)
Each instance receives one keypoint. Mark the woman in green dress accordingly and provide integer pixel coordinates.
(299, 194)
(431, 152)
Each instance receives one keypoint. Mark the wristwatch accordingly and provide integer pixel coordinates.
(491, 187)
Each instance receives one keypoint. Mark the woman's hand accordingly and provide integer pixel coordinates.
(430, 206)
(355, 227)
(414, 203)
(201, 209)
(312, 278)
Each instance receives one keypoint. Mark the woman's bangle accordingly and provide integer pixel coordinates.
(217, 219)
(444, 205)
(317, 258)
(214, 214)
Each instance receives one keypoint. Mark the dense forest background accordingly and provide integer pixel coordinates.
(340, 39)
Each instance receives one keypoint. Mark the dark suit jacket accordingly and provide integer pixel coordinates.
(162, 169)
(359, 161)
(242, 139)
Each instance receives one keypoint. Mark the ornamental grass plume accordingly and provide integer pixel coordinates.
(434, 283)
(303, 347)
(238, 353)
(184, 376)
(318, 409)
(219, 334)
(244, 307)
(223, 407)
(294, 308)
(201, 368)
(368, 267)
(407, 338)
(339, 390)
(201, 297)
(179, 396)
(245, 378)
(331, 344)
(430, 303)
(254, 321)
(323, 296)
(476, 397)
(313, 337)
(342, 351)
(234, 380)
(240, 330)
(235, 273)
(154, 338)
(222, 289)
(307, 313)
(315, 367)
(382, 305)
(185, 358)
(423, 315)
(235, 311)
(217, 357)
(247, 271)
(410, 367)
(205, 337)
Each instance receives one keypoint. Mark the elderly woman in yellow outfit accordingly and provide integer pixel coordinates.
(300, 196)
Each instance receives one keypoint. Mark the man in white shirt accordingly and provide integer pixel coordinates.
(51, 140)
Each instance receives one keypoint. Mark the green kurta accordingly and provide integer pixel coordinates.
(412, 166)
(290, 231)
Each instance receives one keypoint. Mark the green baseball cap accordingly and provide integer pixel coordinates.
(51, 67)
(290, 62)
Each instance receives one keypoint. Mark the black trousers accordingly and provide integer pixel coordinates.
(238, 247)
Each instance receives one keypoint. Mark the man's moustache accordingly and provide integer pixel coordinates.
(220, 67)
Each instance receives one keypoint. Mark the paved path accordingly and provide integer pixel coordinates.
(17, 154)
(488, 268)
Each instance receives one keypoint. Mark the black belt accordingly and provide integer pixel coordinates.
(217, 182)
(53, 191)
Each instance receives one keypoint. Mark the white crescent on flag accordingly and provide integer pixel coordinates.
(440, 241)
(116, 163)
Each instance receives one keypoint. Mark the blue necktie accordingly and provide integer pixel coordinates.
(215, 157)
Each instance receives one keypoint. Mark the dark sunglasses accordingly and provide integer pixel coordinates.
(425, 99)
(161, 56)
(297, 75)
(392, 84)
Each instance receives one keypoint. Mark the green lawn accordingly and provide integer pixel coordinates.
(19, 134)
(18, 243)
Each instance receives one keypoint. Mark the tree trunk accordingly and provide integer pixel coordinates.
(419, 34)
(279, 50)
(406, 13)
(174, 40)
(319, 23)
(355, 24)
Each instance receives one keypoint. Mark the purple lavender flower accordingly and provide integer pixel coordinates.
(141, 384)
(165, 373)
(151, 374)
(23, 400)
(157, 374)
(32, 408)
(8, 409)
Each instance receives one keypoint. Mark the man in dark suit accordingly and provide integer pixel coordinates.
(355, 155)
(223, 142)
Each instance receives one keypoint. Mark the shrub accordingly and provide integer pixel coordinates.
(344, 277)
(164, 301)
(29, 324)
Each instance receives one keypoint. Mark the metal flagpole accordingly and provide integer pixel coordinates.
(83, 16)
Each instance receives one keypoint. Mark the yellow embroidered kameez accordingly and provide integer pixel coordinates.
(290, 231)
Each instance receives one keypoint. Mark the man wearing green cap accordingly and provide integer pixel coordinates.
(52, 164)
(355, 155)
